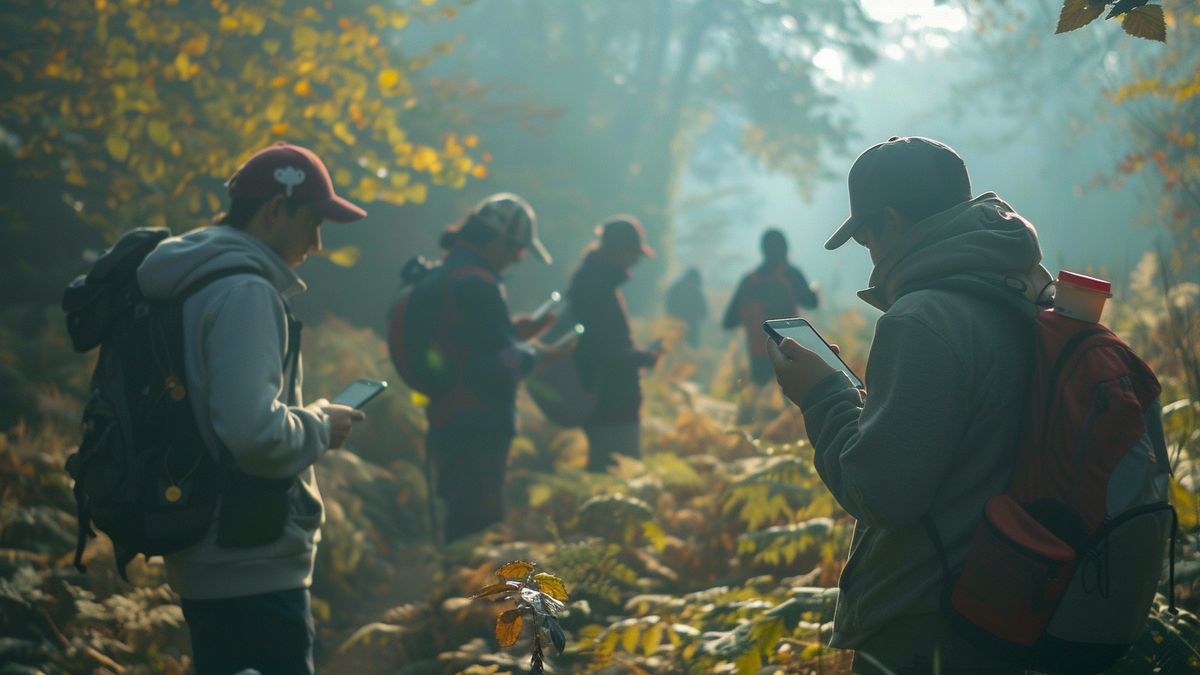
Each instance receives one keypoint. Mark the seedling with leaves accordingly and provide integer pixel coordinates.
(538, 596)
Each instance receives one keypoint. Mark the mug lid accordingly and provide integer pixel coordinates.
(1085, 282)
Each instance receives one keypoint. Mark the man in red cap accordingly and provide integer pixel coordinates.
(244, 587)
(933, 439)
(606, 358)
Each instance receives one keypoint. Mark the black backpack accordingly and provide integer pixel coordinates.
(143, 474)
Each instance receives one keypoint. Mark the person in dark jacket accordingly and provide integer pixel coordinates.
(947, 373)
(685, 301)
(472, 425)
(606, 358)
(776, 289)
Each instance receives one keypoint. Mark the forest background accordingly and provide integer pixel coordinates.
(710, 120)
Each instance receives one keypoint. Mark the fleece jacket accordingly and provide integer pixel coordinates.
(235, 343)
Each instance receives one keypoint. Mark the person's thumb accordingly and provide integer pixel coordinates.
(791, 349)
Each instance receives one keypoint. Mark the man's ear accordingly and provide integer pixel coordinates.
(893, 221)
(275, 211)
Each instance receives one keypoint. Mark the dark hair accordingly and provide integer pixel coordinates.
(470, 230)
(243, 209)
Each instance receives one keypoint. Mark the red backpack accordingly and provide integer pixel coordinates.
(1063, 568)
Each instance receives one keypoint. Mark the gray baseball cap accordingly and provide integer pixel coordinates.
(513, 217)
(901, 169)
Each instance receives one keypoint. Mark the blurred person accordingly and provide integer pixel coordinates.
(933, 438)
(686, 302)
(606, 358)
(776, 289)
(472, 425)
(245, 586)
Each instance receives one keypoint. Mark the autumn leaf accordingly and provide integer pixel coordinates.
(508, 627)
(1077, 14)
(1146, 22)
(492, 589)
(515, 570)
(346, 256)
(551, 586)
(117, 147)
(1187, 506)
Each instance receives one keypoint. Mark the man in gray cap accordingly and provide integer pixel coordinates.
(933, 437)
(473, 419)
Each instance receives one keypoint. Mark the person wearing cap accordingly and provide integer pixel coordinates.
(472, 424)
(245, 586)
(775, 289)
(606, 358)
(932, 437)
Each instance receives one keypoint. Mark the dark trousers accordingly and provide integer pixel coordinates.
(270, 633)
(606, 440)
(470, 479)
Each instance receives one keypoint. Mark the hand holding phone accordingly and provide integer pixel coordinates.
(802, 332)
(359, 392)
(543, 309)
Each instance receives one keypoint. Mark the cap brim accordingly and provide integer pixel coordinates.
(842, 234)
(540, 251)
(339, 210)
(648, 252)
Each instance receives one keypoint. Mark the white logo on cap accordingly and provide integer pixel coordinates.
(289, 176)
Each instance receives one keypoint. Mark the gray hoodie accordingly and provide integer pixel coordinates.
(936, 433)
(235, 341)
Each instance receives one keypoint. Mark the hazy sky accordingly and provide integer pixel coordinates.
(1037, 167)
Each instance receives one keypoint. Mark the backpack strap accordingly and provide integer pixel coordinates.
(295, 327)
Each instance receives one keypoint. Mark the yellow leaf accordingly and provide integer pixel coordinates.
(428, 2)
(480, 171)
(629, 638)
(551, 586)
(515, 570)
(417, 193)
(1146, 22)
(388, 78)
(508, 628)
(228, 24)
(75, 177)
(346, 256)
(470, 140)
(418, 399)
(302, 88)
(1187, 507)
(117, 147)
(183, 65)
(1077, 14)
(195, 46)
(304, 38)
(539, 494)
(343, 132)
(368, 188)
(398, 20)
(159, 132)
(126, 68)
(279, 128)
(652, 638)
(214, 202)
(176, 148)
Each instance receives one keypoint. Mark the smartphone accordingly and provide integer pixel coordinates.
(569, 336)
(554, 300)
(802, 331)
(360, 392)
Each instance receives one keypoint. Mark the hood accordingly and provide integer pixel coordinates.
(178, 261)
(982, 238)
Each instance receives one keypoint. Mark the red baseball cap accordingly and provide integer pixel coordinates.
(297, 173)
